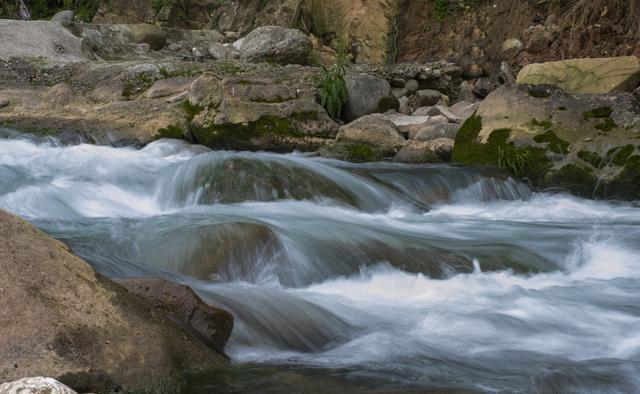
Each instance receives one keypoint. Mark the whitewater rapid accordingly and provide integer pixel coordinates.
(431, 276)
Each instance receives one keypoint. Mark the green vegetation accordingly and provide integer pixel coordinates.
(545, 124)
(360, 153)
(592, 158)
(524, 161)
(619, 156)
(556, 145)
(512, 159)
(576, 179)
(332, 86)
(45, 9)
(171, 131)
(443, 9)
(190, 110)
(603, 113)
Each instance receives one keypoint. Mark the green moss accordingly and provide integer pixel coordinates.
(545, 124)
(171, 131)
(524, 161)
(619, 156)
(592, 158)
(360, 153)
(138, 84)
(575, 179)
(607, 125)
(388, 103)
(239, 136)
(598, 113)
(190, 110)
(555, 144)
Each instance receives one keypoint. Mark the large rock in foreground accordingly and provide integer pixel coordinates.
(584, 143)
(276, 44)
(182, 305)
(588, 76)
(62, 319)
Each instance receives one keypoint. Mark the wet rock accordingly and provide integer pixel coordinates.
(364, 94)
(68, 322)
(593, 76)
(433, 151)
(182, 305)
(169, 87)
(37, 385)
(276, 44)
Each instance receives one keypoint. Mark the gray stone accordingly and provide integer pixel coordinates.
(107, 93)
(412, 87)
(364, 94)
(4, 103)
(169, 87)
(464, 109)
(426, 97)
(35, 385)
(404, 108)
(373, 130)
(417, 152)
(65, 18)
(220, 51)
(276, 44)
(444, 130)
(437, 110)
(466, 92)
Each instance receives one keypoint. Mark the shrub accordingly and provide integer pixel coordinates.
(332, 86)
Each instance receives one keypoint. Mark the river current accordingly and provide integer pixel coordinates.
(355, 277)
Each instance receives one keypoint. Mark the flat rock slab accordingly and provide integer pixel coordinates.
(587, 76)
(39, 39)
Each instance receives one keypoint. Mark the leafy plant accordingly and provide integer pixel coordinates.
(512, 159)
(332, 86)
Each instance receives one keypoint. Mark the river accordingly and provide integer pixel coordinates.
(355, 277)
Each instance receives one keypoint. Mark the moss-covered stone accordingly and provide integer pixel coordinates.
(528, 162)
(555, 144)
(190, 110)
(361, 153)
(598, 113)
(592, 158)
(388, 103)
(619, 156)
(171, 131)
(607, 125)
(575, 179)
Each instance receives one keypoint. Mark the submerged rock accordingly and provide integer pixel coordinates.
(182, 305)
(68, 322)
(38, 385)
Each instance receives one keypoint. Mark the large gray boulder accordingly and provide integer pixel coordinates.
(36, 385)
(65, 18)
(40, 39)
(62, 319)
(276, 44)
(374, 131)
(364, 94)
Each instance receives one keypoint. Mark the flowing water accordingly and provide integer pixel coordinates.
(355, 278)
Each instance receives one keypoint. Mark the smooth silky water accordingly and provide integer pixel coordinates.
(355, 278)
